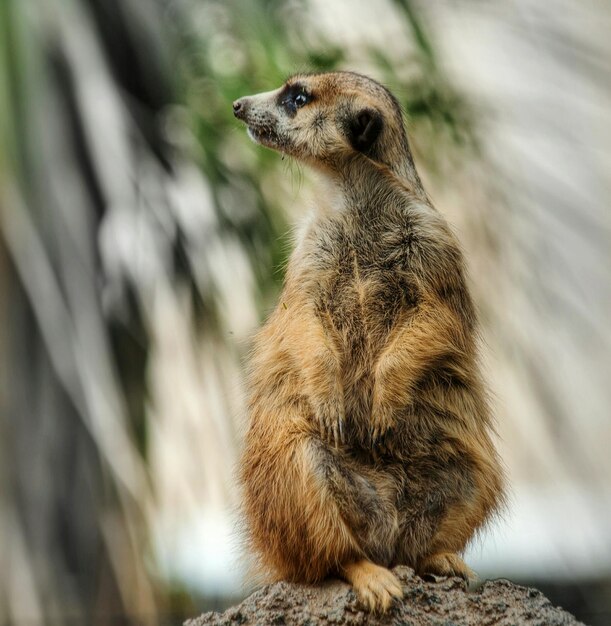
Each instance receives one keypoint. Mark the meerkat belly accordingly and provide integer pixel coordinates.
(363, 309)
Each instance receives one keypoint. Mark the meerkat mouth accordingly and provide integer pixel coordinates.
(263, 135)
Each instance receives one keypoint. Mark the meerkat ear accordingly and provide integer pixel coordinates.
(364, 127)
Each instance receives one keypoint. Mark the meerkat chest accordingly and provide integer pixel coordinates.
(362, 282)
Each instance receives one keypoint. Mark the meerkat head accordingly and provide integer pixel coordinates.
(322, 119)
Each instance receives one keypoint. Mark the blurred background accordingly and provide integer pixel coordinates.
(142, 241)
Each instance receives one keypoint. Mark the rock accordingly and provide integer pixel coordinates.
(444, 603)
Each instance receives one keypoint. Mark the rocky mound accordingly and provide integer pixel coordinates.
(443, 603)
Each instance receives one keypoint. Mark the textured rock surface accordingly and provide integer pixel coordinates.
(444, 603)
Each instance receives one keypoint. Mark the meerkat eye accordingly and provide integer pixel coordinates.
(294, 97)
(301, 99)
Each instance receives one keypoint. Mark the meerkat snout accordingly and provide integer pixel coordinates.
(238, 108)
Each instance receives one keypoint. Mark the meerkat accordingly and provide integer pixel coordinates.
(369, 436)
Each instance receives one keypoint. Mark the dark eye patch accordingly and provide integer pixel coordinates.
(293, 97)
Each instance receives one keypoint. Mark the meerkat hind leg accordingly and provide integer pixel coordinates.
(447, 564)
(375, 586)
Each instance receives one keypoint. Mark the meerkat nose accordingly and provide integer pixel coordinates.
(239, 108)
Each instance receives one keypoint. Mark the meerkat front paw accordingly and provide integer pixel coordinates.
(381, 425)
(330, 415)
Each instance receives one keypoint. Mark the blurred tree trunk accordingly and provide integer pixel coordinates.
(75, 491)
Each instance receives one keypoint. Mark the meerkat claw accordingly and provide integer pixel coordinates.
(342, 438)
(336, 437)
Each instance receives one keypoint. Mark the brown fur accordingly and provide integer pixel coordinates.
(369, 437)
